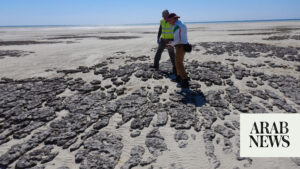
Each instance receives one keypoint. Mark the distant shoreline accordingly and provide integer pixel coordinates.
(147, 24)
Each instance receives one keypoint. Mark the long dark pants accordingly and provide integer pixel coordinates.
(180, 52)
(162, 45)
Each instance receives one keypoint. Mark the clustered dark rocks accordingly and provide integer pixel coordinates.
(124, 72)
(120, 52)
(251, 84)
(214, 99)
(284, 37)
(135, 159)
(118, 37)
(288, 85)
(208, 72)
(224, 131)
(254, 66)
(83, 69)
(135, 59)
(144, 73)
(22, 105)
(274, 65)
(251, 50)
(181, 137)
(13, 53)
(240, 101)
(63, 37)
(232, 60)
(257, 33)
(29, 104)
(29, 42)
(102, 150)
(136, 106)
(162, 118)
(241, 72)
(155, 142)
(208, 137)
(18, 150)
(277, 37)
(42, 155)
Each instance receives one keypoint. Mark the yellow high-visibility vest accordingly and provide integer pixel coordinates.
(166, 30)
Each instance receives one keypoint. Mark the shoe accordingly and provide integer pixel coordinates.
(185, 83)
(154, 67)
(177, 79)
(174, 71)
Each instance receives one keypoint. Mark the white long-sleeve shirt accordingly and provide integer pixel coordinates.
(180, 33)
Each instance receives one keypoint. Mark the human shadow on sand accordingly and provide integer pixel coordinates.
(188, 96)
(192, 97)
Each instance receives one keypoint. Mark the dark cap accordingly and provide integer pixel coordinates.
(165, 13)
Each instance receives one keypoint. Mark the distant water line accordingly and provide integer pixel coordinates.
(145, 24)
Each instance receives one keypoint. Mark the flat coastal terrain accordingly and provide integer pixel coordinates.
(85, 97)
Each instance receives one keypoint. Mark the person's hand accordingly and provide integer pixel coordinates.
(158, 40)
(169, 45)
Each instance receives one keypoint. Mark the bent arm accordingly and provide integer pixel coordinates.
(159, 32)
(177, 35)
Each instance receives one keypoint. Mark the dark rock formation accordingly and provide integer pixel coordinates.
(251, 50)
(155, 142)
(136, 156)
(13, 53)
(223, 131)
(102, 150)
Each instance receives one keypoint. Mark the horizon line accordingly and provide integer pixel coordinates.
(134, 24)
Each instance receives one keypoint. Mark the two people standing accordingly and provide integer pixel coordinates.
(178, 38)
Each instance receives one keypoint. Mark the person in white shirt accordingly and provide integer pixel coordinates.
(180, 40)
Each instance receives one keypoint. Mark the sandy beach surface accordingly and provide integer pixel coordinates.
(85, 97)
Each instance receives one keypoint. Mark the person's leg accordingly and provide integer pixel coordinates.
(172, 58)
(180, 52)
(184, 75)
(179, 61)
(159, 51)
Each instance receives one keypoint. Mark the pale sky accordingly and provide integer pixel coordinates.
(106, 12)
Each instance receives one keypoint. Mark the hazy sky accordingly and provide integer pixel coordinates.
(99, 12)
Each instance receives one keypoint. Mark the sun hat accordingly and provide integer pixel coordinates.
(173, 15)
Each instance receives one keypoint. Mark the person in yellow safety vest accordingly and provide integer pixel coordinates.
(165, 35)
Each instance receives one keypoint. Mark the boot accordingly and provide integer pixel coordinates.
(177, 79)
(174, 71)
(154, 67)
(185, 83)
